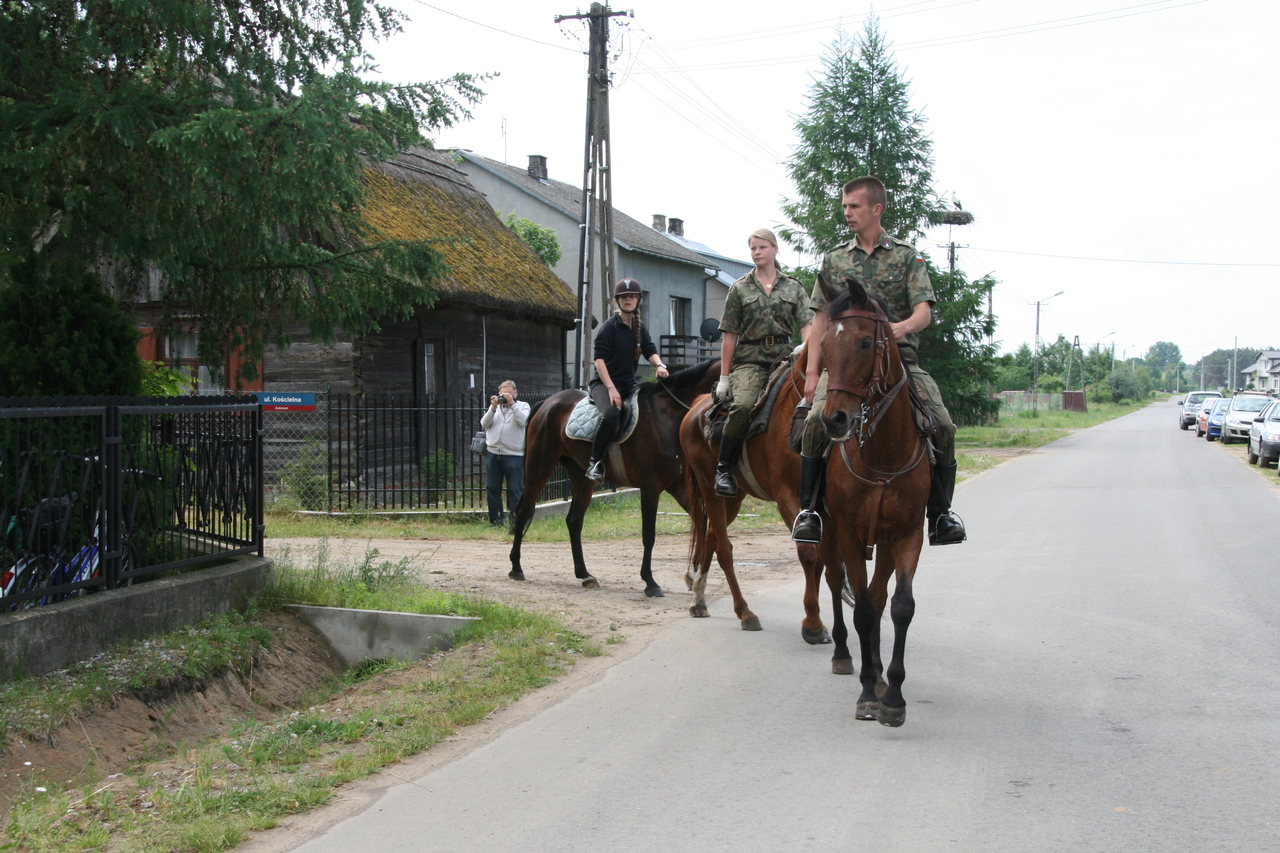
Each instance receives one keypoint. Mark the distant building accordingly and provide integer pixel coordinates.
(1264, 373)
(501, 313)
(682, 286)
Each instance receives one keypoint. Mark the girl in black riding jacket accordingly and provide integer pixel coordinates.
(619, 344)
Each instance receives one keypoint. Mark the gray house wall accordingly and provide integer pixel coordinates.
(692, 277)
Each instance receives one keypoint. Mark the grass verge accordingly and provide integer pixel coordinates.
(616, 518)
(217, 793)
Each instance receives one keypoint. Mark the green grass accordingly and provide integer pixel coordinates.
(616, 518)
(261, 772)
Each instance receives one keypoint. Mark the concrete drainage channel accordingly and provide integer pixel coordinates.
(359, 636)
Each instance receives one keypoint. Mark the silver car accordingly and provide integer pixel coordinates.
(1191, 406)
(1240, 413)
(1264, 436)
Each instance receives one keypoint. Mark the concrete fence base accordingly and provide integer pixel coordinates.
(43, 639)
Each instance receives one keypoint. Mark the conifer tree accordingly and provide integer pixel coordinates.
(859, 122)
(209, 154)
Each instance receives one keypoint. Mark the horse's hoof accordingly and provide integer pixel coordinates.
(868, 709)
(892, 717)
(516, 574)
(842, 666)
(590, 583)
(751, 623)
(819, 637)
(654, 592)
(698, 611)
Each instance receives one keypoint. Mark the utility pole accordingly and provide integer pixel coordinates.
(597, 195)
(1035, 363)
(1075, 345)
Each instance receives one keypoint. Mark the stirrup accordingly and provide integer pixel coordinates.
(726, 485)
(595, 471)
(952, 532)
(807, 527)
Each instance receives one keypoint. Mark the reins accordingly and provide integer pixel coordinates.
(869, 417)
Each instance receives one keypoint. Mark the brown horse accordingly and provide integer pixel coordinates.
(775, 476)
(651, 462)
(877, 488)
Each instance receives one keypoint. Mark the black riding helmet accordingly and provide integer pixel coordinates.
(627, 285)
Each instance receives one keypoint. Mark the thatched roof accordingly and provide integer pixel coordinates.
(422, 194)
(627, 232)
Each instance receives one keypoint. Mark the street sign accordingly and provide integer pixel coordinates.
(287, 401)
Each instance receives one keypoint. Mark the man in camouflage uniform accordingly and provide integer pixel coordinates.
(893, 270)
(763, 310)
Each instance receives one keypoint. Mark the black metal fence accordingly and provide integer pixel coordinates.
(383, 453)
(679, 351)
(96, 493)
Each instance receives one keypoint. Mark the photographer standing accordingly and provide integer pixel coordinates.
(503, 423)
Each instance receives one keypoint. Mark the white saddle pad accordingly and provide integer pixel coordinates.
(584, 420)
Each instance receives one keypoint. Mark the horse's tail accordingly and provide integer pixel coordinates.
(698, 539)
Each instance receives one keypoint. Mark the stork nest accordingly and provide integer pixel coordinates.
(955, 217)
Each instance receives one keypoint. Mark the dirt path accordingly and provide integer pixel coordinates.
(480, 568)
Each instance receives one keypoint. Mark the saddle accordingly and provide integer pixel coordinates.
(585, 419)
(715, 417)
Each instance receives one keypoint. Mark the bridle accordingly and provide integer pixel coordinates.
(870, 413)
(869, 416)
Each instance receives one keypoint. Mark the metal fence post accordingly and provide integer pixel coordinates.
(258, 510)
(111, 548)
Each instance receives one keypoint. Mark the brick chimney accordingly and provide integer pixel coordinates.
(537, 167)
(676, 226)
(659, 222)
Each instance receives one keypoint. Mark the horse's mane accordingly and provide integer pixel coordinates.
(681, 383)
(855, 297)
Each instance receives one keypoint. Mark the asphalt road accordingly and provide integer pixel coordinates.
(1095, 670)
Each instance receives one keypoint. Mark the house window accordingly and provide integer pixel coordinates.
(681, 315)
(183, 350)
(432, 367)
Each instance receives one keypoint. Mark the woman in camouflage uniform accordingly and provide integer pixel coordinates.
(763, 311)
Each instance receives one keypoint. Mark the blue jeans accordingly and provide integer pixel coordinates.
(497, 468)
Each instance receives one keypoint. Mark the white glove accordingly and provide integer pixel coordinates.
(722, 389)
(795, 352)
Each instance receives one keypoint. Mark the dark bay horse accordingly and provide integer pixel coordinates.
(775, 470)
(878, 480)
(651, 462)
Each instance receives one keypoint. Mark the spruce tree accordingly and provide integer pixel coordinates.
(859, 122)
(209, 154)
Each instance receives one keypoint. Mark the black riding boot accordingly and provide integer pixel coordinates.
(944, 527)
(599, 447)
(808, 524)
(726, 486)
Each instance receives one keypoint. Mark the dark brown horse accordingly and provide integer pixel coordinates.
(651, 462)
(774, 476)
(877, 485)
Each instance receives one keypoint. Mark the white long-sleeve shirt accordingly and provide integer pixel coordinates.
(504, 428)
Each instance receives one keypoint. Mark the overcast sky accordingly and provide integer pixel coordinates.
(1120, 151)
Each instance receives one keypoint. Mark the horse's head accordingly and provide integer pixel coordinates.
(855, 352)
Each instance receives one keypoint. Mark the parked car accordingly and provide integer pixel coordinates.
(1191, 406)
(1213, 421)
(1264, 436)
(1244, 407)
(1202, 417)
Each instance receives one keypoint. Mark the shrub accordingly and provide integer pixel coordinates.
(62, 335)
(437, 469)
(306, 478)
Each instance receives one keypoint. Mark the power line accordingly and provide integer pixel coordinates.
(496, 29)
(982, 35)
(810, 26)
(1126, 260)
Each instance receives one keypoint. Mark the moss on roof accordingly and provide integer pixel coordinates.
(421, 195)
